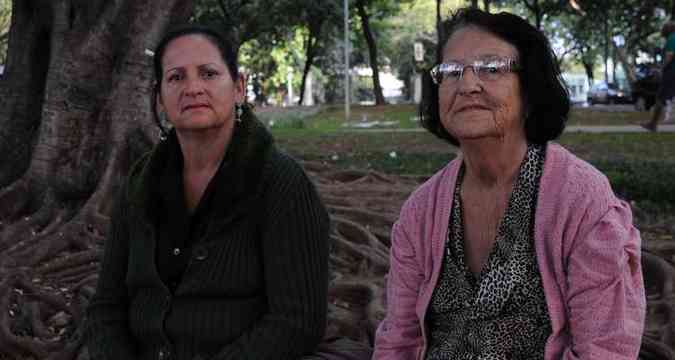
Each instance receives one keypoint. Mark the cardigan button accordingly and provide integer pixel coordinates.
(200, 253)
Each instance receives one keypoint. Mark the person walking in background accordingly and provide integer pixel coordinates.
(517, 249)
(664, 96)
(218, 247)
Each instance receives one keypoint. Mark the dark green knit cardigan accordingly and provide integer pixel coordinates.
(256, 283)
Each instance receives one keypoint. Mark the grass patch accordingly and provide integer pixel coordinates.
(391, 163)
(597, 116)
(641, 180)
(631, 146)
(640, 166)
(405, 116)
(332, 117)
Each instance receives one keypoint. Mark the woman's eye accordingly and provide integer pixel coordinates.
(174, 77)
(209, 74)
(453, 74)
(491, 69)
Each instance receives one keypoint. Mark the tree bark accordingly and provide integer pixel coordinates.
(536, 10)
(310, 53)
(588, 67)
(21, 92)
(372, 50)
(486, 5)
(474, 4)
(623, 59)
(75, 113)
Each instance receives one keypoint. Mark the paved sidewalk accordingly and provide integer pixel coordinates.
(669, 128)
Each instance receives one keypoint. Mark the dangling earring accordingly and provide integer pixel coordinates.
(162, 118)
(238, 112)
(163, 133)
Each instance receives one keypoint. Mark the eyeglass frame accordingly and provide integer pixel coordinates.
(507, 65)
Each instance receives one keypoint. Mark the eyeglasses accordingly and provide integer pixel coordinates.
(487, 70)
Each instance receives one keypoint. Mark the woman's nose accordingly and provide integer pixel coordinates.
(469, 82)
(194, 86)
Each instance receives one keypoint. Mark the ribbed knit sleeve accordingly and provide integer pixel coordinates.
(106, 331)
(295, 261)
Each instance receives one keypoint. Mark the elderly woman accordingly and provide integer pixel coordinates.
(517, 249)
(218, 246)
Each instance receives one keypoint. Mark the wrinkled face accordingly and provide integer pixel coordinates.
(197, 90)
(471, 107)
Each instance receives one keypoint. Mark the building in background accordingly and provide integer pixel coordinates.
(577, 85)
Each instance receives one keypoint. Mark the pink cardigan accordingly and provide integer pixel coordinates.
(588, 254)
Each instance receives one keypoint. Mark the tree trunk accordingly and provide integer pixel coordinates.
(622, 57)
(21, 91)
(486, 5)
(474, 4)
(75, 113)
(588, 67)
(538, 14)
(372, 50)
(310, 52)
(614, 77)
(536, 10)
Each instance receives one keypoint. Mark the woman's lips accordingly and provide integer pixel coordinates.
(471, 107)
(195, 106)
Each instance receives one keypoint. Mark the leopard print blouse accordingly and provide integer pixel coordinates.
(500, 313)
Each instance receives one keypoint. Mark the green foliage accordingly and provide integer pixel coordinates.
(245, 20)
(5, 20)
(579, 35)
(396, 27)
(415, 23)
(273, 42)
(597, 30)
(635, 22)
(268, 63)
(641, 179)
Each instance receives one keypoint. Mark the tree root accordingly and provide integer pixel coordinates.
(48, 277)
(41, 279)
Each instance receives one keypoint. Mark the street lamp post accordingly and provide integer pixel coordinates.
(347, 46)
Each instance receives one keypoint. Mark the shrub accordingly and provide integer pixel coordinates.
(650, 180)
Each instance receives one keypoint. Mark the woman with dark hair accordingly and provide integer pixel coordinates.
(517, 249)
(218, 247)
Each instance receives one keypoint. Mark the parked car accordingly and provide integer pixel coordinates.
(648, 79)
(604, 93)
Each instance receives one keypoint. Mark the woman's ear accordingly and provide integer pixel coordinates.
(159, 107)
